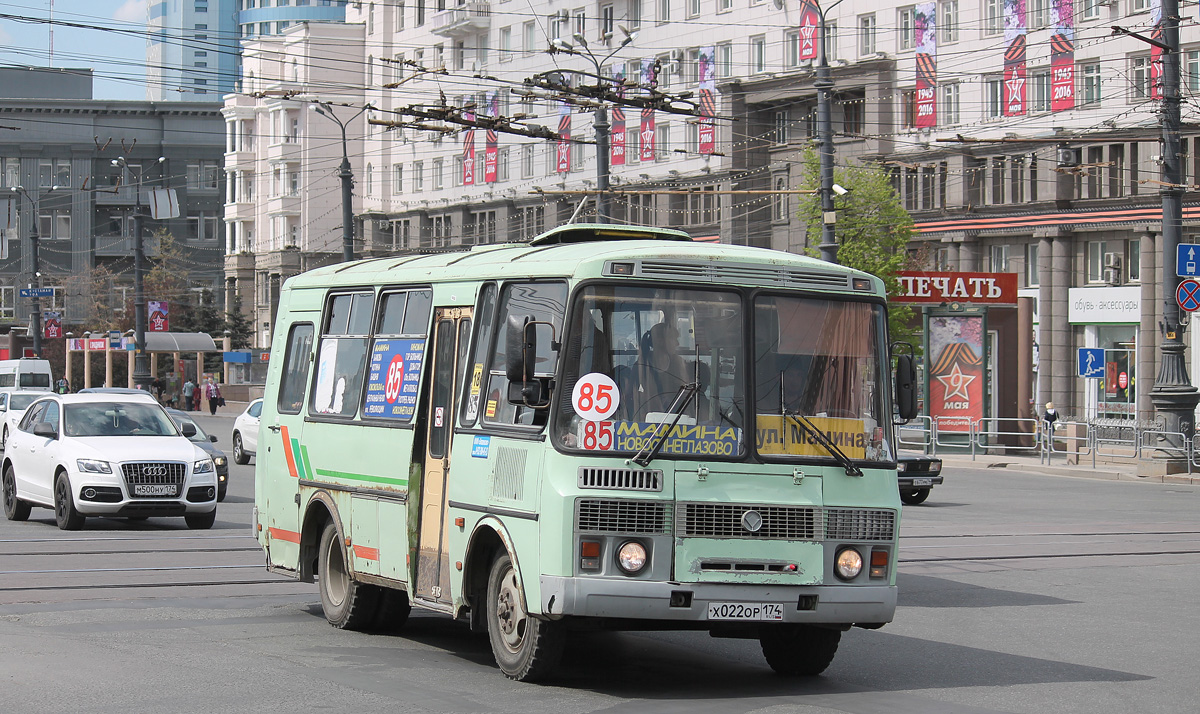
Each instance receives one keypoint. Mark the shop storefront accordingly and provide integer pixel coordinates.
(1110, 318)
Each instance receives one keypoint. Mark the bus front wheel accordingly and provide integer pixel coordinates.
(348, 605)
(799, 650)
(526, 648)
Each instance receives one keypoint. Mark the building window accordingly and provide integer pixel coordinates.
(527, 160)
(633, 144)
(54, 225)
(502, 171)
(758, 54)
(635, 14)
(791, 48)
(866, 35)
(203, 176)
(505, 44)
(693, 8)
(1191, 70)
(1139, 77)
(1095, 261)
(908, 101)
(1040, 88)
(1091, 9)
(782, 120)
(949, 21)
(724, 5)
(1133, 262)
(831, 42)
(1039, 14)
(608, 20)
(418, 176)
(1091, 84)
(999, 258)
(662, 142)
(993, 17)
(948, 112)
(993, 97)
(725, 60)
(779, 199)
(664, 11)
(1032, 278)
(906, 25)
(397, 179)
(531, 41)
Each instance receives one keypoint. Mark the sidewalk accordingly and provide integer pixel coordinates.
(1110, 470)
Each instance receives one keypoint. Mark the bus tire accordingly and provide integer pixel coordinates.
(799, 650)
(526, 648)
(913, 496)
(348, 605)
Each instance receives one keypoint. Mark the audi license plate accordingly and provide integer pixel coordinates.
(922, 482)
(154, 489)
(745, 611)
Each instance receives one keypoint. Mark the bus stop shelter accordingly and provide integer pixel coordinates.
(106, 345)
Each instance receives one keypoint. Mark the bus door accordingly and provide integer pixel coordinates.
(452, 329)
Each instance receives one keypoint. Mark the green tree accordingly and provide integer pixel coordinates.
(241, 330)
(872, 232)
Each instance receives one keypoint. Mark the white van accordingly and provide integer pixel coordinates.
(26, 373)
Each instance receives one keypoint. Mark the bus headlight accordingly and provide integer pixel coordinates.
(848, 564)
(631, 557)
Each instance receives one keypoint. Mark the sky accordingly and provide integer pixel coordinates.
(118, 59)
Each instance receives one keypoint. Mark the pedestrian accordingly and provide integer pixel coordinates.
(1050, 416)
(213, 392)
(189, 388)
(159, 387)
(62, 386)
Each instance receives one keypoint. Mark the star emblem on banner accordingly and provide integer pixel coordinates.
(956, 383)
(1015, 86)
(158, 322)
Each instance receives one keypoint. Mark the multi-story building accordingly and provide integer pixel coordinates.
(256, 18)
(60, 154)
(283, 192)
(1027, 146)
(191, 49)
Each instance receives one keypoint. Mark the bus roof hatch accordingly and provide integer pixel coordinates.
(592, 232)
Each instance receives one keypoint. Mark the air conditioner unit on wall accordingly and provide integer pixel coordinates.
(1068, 156)
(1112, 276)
(1112, 260)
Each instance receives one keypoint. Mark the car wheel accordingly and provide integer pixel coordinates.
(526, 648)
(799, 650)
(201, 521)
(239, 454)
(348, 605)
(14, 508)
(913, 496)
(65, 514)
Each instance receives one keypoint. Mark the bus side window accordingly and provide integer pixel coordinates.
(541, 302)
(295, 368)
(485, 320)
(342, 355)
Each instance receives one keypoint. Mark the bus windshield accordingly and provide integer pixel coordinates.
(630, 354)
(639, 359)
(824, 363)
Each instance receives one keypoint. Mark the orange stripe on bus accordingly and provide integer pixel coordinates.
(281, 534)
(287, 452)
(362, 551)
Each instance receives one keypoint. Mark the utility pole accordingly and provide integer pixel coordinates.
(346, 176)
(1173, 395)
(35, 202)
(824, 87)
(141, 359)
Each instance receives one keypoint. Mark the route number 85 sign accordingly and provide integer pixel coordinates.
(595, 396)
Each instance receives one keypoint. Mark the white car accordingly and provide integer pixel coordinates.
(106, 455)
(245, 432)
(12, 408)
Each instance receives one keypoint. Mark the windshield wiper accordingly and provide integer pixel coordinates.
(809, 428)
(682, 399)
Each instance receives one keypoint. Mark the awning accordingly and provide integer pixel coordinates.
(180, 342)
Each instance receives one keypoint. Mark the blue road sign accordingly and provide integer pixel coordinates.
(1187, 260)
(37, 292)
(1091, 362)
(1188, 295)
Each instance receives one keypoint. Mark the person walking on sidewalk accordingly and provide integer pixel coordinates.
(213, 392)
(189, 388)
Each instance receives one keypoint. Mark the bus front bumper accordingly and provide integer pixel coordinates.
(647, 600)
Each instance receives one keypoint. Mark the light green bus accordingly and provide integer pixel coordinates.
(606, 427)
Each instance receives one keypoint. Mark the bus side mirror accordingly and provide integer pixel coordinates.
(906, 387)
(520, 349)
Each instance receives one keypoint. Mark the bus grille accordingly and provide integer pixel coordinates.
(595, 515)
(724, 520)
(744, 274)
(860, 524)
(621, 479)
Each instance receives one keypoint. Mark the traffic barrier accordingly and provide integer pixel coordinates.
(944, 426)
(1071, 439)
(918, 433)
(1164, 445)
(986, 433)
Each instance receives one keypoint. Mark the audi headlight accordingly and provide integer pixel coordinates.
(203, 467)
(93, 466)
(631, 557)
(848, 564)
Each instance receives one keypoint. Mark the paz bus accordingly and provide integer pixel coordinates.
(605, 427)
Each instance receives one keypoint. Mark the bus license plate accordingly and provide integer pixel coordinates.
(148, 489)
(922, 482)
(745, 611)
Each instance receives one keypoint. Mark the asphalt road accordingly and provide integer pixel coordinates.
(1019, 593)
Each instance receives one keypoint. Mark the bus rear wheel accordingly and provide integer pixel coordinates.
(348, 605)
(526, 648)
(799, 650)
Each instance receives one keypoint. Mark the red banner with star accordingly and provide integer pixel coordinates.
(956, 372)
(158, 316)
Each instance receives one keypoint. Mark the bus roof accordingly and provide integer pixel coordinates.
(583, 250)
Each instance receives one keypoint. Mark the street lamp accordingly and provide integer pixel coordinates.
(35, 256)
(141, 361)
(824, 86)
(600, 124)
(326, 110)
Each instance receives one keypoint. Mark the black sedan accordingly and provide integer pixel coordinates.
(917, 474)
(206, 442)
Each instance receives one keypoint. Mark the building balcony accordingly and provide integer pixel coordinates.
(114, 246)
(283, 151)
(284, 205)
(466, 19)
(239, 160)
(239, 211)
